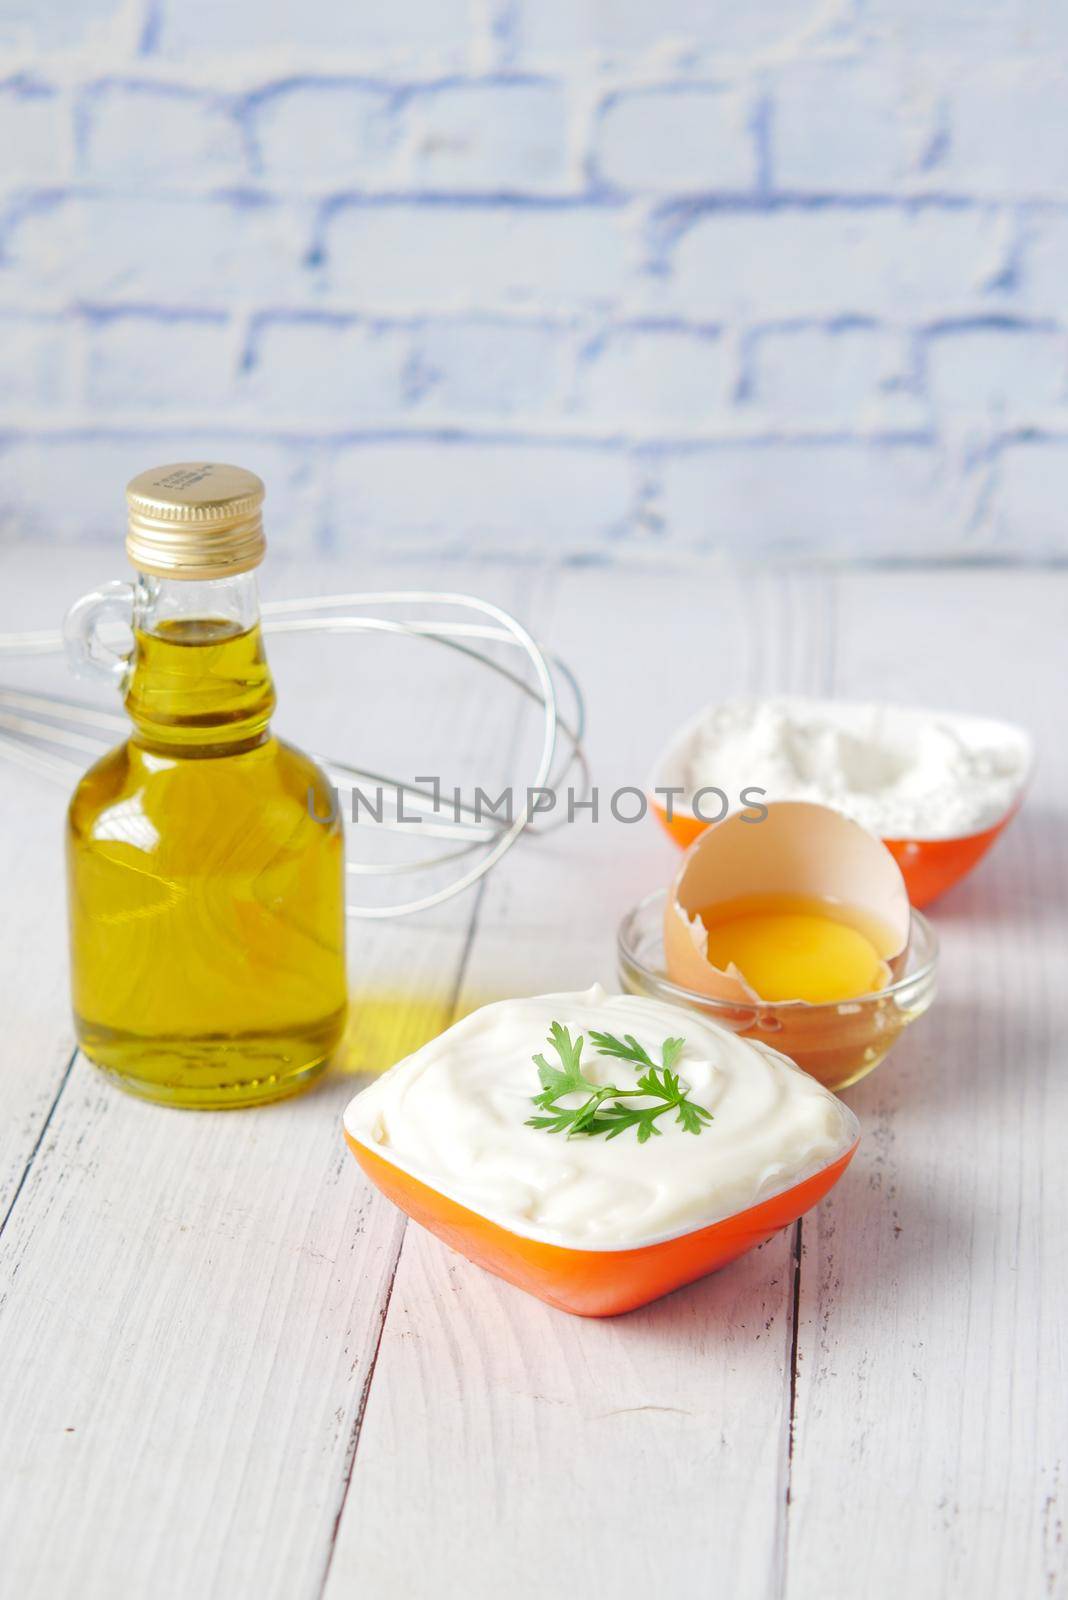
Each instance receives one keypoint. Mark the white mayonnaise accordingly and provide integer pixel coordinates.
(454, 1116)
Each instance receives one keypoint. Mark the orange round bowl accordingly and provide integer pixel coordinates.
(929, 866)
(839, 1042)
(601, 1282)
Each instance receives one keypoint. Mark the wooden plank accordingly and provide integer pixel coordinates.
(931, 1418)
(192, 1303)
(37, 1042)
(508, 1447)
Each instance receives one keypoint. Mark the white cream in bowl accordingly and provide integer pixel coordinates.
(902, 772)
(454, 1115)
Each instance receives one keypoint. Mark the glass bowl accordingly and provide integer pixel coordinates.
(838, 1043)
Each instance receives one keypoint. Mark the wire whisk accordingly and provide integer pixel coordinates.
(56, 736)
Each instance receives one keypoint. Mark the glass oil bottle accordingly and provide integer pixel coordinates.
(205, 859)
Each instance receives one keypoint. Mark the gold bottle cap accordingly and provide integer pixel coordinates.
(195, 519)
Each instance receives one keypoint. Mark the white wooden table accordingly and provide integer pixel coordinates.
(230, 1370)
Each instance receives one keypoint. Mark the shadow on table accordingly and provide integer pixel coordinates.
(967, 1053)
(881, 1235)
(1023, 881)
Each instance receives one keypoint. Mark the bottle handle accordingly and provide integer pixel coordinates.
(87, 654)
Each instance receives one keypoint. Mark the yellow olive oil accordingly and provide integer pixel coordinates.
(205, 858)
(386, 1025)
(206, 884)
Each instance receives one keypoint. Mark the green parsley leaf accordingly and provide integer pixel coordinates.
(625, 1049)
(595, 1115)
(566, 1079)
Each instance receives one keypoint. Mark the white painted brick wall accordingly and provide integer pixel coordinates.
(311, 369)
(1010, 137)
(35, 132)
(611, 280)
(506, 138)
(679, 377)
(999, 372)
(677, 140)
(446, 256)
(627, 30)
(317, 137)
(844, 375)
(309, 31)
(848, 127)
(488, 367)
(138, 359)
(144, 136)
(527, 496)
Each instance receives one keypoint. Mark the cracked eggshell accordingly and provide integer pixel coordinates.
(799, 848)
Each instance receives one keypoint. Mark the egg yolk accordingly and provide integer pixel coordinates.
(787, 948)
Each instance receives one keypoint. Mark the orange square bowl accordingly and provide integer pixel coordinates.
(600, 1282)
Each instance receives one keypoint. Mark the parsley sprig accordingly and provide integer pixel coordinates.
(602, 1109)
